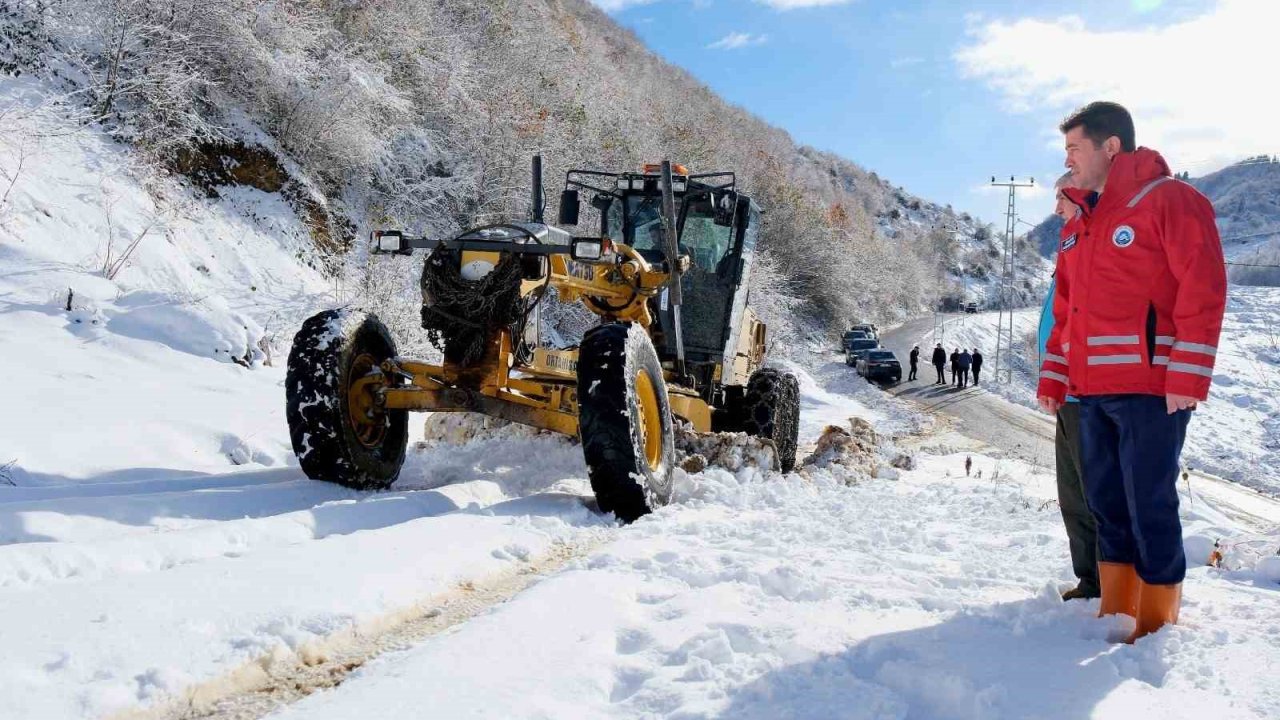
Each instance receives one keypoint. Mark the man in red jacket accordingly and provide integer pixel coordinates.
(1137, 319)
(1081, 527)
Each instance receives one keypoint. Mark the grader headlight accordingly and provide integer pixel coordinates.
(592, 250)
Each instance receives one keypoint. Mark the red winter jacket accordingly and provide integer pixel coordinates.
(1140, 292)
(1053, 366)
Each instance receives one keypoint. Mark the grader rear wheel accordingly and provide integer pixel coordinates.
(624, 417)
(772, 410)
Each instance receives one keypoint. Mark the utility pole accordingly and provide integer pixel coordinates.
(939, 313)
(1004, 323)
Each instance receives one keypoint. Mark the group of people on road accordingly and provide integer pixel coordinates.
(1128, 343)
(962, 362)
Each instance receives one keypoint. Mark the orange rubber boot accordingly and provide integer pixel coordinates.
(1158, 606)
(1120, 586)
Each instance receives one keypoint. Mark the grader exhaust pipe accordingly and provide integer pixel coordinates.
(539, 206)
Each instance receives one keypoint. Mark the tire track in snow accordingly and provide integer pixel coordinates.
(280, 678)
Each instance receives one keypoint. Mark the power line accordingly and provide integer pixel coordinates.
(1258, 159)
(1236, 264)
(1272, 231)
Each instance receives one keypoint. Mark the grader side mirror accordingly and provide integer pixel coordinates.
(569, 207)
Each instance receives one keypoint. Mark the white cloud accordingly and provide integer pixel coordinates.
(1199, 89)
(612, 6)
(793, 4)
(735, 40)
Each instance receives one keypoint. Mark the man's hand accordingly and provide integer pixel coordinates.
(1048, 404)
(1174, 403)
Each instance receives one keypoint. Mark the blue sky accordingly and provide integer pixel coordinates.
(939, 95)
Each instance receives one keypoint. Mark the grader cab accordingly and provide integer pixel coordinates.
(667, 274)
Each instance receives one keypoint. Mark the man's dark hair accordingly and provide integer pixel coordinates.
(1100, 121)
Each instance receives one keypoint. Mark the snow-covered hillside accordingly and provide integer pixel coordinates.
(1236, 434)
(176, 307)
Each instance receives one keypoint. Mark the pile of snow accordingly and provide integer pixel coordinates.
(730, 451)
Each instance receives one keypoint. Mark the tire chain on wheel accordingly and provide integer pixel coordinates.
(459, 315)
(323, 440)
(772, 410)
(608, 359)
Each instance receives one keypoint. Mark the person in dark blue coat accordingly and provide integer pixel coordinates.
(963, 361)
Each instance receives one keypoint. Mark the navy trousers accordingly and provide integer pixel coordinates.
(1129, 446)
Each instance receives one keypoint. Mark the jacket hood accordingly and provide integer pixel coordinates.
(1132, 170)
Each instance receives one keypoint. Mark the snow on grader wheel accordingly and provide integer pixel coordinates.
(624, 418)
(772, 410)
(339, 433)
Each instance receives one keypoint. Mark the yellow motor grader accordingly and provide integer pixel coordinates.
(667, 274)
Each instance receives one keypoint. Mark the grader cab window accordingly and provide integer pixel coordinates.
(707, 244)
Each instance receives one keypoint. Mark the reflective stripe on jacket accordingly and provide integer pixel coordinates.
(1054, 346)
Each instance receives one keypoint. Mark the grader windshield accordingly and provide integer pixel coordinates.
(706, 243)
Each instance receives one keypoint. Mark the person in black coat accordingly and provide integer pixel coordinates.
(915, 360)
(940, 362)
(977, 365)
(955, 367)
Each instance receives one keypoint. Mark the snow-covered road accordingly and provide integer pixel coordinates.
(825, 594)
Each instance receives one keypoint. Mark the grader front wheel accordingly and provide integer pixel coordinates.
(339, 432)
(624, 417)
